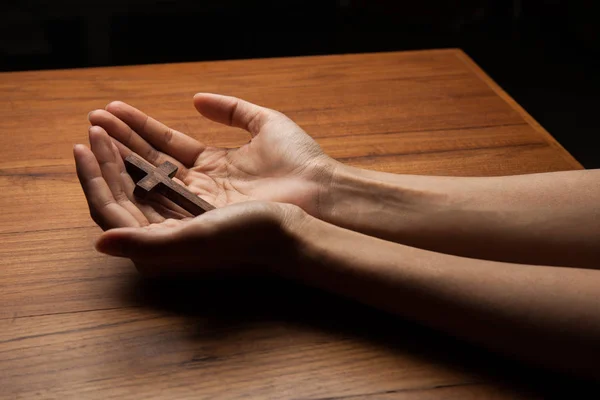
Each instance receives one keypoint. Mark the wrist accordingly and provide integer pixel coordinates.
(348, 196)
(329, 257)
(301, 233)
(388, 206)
(320, 178)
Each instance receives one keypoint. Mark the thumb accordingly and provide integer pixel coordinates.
(154, 241)
(236, 112)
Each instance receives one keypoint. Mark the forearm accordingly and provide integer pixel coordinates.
(551, 219)
(546, 315)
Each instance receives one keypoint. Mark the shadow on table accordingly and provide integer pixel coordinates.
(225, 304)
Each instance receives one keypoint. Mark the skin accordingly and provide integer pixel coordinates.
(363, 234)
(545, 219)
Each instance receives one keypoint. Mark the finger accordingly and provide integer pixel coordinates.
(102, 148)
(123, 150)
(212, 234)
(174, 143)
(128, 184)
(105, 211)
(150, 212)
(236, 112)
(164, 207)
(152, 242)
(120, 131)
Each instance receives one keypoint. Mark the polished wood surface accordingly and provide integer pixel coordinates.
(77, 324)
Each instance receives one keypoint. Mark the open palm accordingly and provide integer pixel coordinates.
(281, 163)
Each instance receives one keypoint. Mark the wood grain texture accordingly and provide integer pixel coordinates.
(76, 324)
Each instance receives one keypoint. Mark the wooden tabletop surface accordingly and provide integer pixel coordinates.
(77, 324)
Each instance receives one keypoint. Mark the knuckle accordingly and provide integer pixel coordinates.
(121, 197)
(152, 155)
(255, 120)
(234, 110)
(168, 136)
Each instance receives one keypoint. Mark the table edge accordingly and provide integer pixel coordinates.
(227, 61)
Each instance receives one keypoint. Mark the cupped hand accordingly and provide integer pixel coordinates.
(259, 234)
(281, 162)
(158, 236)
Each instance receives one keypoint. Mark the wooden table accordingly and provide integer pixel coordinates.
(77, 324)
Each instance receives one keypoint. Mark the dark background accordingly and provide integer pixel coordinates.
(542, 52)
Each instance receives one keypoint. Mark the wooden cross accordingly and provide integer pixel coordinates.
(149, 179)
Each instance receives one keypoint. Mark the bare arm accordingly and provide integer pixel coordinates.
(549, 316)
(551, 218)
(536, 219)
(546, 315)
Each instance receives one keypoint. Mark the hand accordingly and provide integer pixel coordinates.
(249, 234)
(281, 162)
(159, 239)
